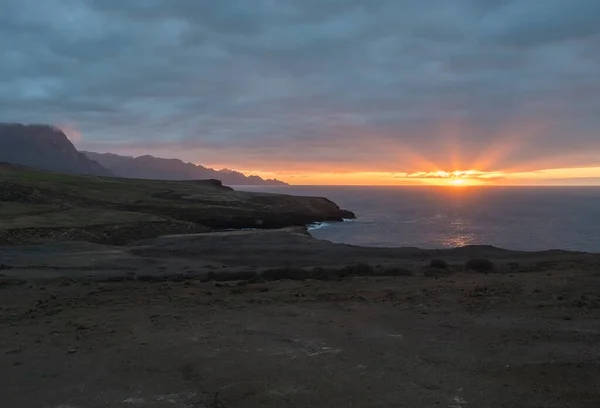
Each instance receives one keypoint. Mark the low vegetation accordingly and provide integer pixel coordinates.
(397, 271)
(321, 273)
(482, 265)
(438, 263)
(40, 206)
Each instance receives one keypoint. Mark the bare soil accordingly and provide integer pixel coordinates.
(279, 319)
(464, 340)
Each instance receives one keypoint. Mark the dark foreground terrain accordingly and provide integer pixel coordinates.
(279, 319)
(467, 340)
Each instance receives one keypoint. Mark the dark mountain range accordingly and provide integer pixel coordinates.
(150, 167)
(45, 147)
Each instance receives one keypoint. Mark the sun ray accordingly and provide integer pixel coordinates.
(450, 135)
(508, 142)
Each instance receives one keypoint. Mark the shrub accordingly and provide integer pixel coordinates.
(479, 265)
(438, 263)
(397, 271)
(244, 275)
(435, 272)
(285, 273)
(227, 276)
(360, 269)
(321, 273)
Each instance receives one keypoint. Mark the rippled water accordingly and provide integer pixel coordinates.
(520, 218)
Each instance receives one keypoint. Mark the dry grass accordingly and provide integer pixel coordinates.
(103, 189)
(10, 209)
(482, 265)
(84, 201)
(76, 217)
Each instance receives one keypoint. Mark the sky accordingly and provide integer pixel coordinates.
(318, 91)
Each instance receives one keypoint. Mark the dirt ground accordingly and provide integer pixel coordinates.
(464, 340)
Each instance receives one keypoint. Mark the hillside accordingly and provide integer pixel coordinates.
(45, 147)
(40, 206)
(150, 167)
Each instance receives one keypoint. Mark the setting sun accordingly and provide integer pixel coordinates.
(455, 178)
(457, 182)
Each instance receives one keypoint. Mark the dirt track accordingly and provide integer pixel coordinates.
(467, 340)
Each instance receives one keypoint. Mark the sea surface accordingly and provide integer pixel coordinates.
(518, 218)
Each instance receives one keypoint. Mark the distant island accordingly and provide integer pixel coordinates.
(47, 147)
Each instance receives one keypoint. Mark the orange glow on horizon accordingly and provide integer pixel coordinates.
(465, 178)
(502, 161)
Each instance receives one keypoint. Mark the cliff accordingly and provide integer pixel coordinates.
(45, 147)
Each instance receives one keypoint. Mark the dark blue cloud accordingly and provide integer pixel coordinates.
(353, 83)
(531, 22)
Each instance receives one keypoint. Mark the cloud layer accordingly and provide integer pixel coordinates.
(321, 85)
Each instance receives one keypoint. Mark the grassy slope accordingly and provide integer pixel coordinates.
(37, 199)
(68, 200)
(74, 217)
(77, 200)
(101, 189)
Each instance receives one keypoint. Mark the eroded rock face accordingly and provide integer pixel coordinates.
(239, 209)
(45, 147)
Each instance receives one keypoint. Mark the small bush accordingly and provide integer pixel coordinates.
(438, 263)
(480, 265)
(226, 276)
(397, 271)
(285, 273)
(244, 275)
(435, 272)
(321, 273)
(360, 269)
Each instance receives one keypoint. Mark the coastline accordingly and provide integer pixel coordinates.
(252, 253)
(510, 218)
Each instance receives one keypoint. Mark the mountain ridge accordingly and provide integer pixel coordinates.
(158, 168)
(45, 147)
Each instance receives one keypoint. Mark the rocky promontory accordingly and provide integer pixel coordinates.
(40, 206)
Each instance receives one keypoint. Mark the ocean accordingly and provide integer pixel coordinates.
(517, 218)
